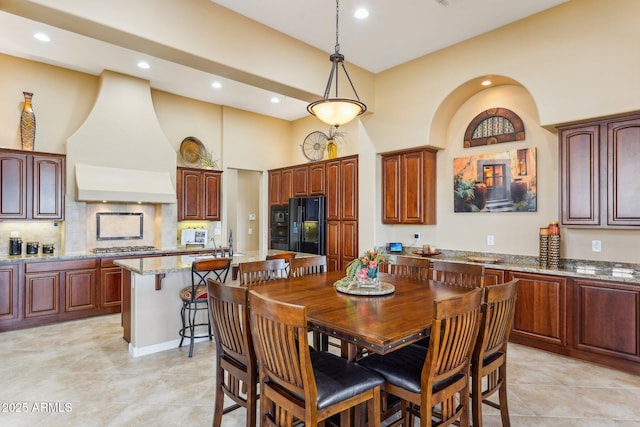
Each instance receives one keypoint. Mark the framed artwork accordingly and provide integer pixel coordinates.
(496, 182)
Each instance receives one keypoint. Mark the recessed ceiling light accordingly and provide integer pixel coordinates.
(216, 85)
(42, 37)
(486, 82)
(361, 13)
(144, 65)
(275, 100)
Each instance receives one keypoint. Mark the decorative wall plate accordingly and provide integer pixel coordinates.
(192, 151)
(484, 259)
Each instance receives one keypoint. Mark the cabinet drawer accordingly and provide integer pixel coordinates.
(35, 267)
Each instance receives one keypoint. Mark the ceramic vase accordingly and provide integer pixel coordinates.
(27, 123)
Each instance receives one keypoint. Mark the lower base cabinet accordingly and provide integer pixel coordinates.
(9, 292)
(593, 320)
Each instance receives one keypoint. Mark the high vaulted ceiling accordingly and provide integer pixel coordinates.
(395, 32)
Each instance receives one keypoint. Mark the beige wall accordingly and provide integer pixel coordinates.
(572, 62)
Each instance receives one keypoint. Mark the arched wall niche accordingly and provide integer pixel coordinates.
(439, 129)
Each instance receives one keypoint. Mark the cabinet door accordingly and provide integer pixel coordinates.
(540, 309)
(332, 188)
(391, 189)
(189, 195)
(48, 187)
(316, 179)
(349, 189)
(348, 242)
(607, 319)
(80, 290)
(13, 186)
(580, 175)
(211, 184)
(42, 294)
(301, 181)
(275, 182)
(623, 185)
(493, 277)
(333, 246)
(9, 292)
(110, 286)
(286, 190)
(411, 181)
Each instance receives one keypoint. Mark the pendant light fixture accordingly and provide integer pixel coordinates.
(337, 111)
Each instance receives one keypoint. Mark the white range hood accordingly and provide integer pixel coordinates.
(120, 153)
(99, 183)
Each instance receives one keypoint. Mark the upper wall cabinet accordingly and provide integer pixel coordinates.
(32, 185)
(199, 194)
(409, 187)
(599, 175)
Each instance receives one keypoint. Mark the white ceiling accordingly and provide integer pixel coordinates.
(394, 33)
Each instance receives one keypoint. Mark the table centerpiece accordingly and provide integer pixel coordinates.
(362, 272)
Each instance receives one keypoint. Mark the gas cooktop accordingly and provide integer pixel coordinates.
(121, 249)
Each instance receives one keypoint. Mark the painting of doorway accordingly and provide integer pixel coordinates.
(496, 182)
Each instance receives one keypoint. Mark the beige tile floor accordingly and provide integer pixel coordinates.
(80, 374)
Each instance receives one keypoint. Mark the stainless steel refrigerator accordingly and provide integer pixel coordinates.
(307, 224)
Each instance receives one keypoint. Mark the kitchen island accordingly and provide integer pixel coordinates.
(151, 302)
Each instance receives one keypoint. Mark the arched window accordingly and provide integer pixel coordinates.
(494, 126)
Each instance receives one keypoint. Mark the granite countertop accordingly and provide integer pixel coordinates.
(597, 270)
(171, 264)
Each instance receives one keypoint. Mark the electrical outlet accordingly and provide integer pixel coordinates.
(596, 245)
(416, 236)
(250, 231)
(490, 240)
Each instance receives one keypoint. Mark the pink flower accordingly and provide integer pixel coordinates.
(373, 264)
(363, 273)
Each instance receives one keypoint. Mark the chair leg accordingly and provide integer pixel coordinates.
(502, 393)
(219, 402)
(252, 404)
(184, 325)
(476, 396)
(192, 328)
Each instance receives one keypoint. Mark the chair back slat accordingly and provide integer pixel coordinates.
(281, 344)
(458, 274)
(254, 272)
(499, 310)
(453, 334)
(230, 320)
(410, 267)
(308, 265)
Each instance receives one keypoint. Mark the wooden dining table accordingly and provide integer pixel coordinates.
(380, 323)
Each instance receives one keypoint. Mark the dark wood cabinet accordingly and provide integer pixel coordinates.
(32, 185)
(598, 173)
(199, 194)
(9, 292)
(275, 183)
(80, 290)
(607, 319)
(493, 276)
(110, 286)
(337, 180)
(63, 290)
(316, 179)
(300, 181)
(541, 315)
(409, 187)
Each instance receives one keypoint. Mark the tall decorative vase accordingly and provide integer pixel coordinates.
(332, 149)
(27, 123)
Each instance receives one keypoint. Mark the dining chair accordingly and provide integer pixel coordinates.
(254, 272)
(194, 298)
(490, 354)
(286, 256)
(299, 385)
(308, 265)
(410, 267)
(437, 376)
(458, 274)
(236, 366)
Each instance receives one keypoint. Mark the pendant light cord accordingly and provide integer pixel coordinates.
(337, 15)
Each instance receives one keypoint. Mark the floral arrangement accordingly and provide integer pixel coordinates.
(366, 266)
